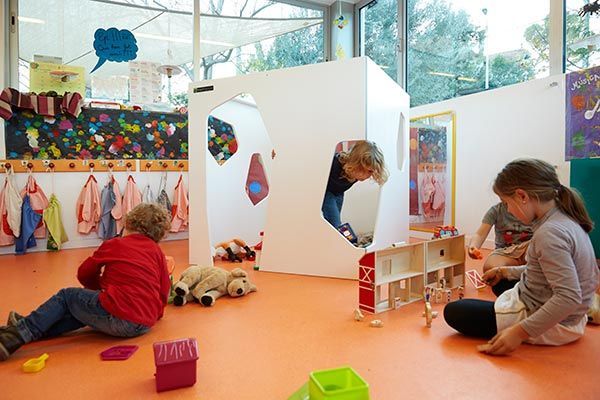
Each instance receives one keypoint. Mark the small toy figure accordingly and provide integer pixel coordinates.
(429, 314)
(376, 323)
(445, 231)
(230, 251)
(358, 315)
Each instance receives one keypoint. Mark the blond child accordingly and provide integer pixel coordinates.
(125, 288)
(362, 162)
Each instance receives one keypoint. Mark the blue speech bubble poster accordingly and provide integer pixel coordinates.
(114, 45)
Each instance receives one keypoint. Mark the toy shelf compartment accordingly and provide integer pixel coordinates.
(399, 263)
(446, 259)
(390, 296)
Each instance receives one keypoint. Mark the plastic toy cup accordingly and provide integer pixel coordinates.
(337, 384)
(35, 364)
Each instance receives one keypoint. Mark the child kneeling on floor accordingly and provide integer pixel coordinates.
(125, 288)
(549, 303)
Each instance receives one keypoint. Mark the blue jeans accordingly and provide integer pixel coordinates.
(332, 208)
(71, 309)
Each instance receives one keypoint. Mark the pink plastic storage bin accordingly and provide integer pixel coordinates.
(175, 362)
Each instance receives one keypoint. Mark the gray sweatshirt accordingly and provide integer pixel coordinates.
(558, 283)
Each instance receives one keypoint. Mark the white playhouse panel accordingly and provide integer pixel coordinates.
(231, 214)
(307, 111)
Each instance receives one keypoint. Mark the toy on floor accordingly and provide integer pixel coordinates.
(175, 362)
(258, 249)
(376, 323)
(439, 292)
(207, 284)
(118, 353)
(429, 314)
(475, 279)
(441, 232)
(333, 384)
(230, 251)
(358, 315)
(35, 364)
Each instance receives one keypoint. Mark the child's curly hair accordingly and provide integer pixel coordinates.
(151, 220)
(367, 156)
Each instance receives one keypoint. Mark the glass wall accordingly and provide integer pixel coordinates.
(582, 37)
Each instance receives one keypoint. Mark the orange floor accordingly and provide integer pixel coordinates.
(262, 347)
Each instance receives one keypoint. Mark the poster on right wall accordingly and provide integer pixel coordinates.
(582, 114)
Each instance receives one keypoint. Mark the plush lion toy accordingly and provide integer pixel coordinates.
(207, 284)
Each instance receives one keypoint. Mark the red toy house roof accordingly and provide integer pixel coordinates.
(175, 351)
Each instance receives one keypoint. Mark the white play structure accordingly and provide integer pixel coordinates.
(306, 111)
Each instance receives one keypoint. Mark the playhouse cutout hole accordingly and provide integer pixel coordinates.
(353, 205)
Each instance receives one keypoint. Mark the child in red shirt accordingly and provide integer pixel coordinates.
(125, 288)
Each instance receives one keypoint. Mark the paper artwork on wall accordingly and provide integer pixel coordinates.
(145, 82)
(582, 114)
(45, 77)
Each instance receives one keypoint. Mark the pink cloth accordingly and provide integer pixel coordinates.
(117, 210)
(132, 196)
(38, 201)
(439, 196)
(180, 208)
(89, 208)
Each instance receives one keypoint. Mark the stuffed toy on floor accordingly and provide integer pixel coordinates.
(207, 284)
(232, 251)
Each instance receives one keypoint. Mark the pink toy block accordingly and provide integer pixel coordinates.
(175, 362)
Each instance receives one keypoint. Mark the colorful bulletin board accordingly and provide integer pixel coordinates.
(583, 114)
(431, 171)
(98, 134)
(41, 79)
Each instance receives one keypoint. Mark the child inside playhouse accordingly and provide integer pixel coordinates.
(125, 288)
(512, 239)
(362, 162)
(556, 287)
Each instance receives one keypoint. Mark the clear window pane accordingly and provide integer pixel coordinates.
(582, 37)
(379, 34)
(62, 31)
(458, 47)
(238, 37)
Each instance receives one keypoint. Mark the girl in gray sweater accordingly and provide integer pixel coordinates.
(549, 304)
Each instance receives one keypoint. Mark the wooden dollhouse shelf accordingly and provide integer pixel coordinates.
(398, 277)
(444, 264)
(393, 277)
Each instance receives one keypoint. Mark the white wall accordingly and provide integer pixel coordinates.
(67, 188)
(495, 127)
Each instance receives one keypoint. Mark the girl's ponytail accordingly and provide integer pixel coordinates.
(571, 203)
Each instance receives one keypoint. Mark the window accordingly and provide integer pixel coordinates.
(378, 34)
(62, 32)
(457, 47)
(582, 37)
(258, 35)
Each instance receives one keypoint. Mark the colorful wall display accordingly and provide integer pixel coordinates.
(98, 134)
(431, 176)
(222, 143)
(583, 114)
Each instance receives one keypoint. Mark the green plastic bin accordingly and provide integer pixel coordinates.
(337, 384)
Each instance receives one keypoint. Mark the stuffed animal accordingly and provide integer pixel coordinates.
(230, 251)
(207, 284)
